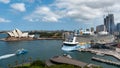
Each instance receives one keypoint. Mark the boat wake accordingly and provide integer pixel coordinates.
(6, 56)
(18, 52)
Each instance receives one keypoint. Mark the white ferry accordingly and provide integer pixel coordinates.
(71, 43)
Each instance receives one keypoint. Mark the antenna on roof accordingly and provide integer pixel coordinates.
(107, 11)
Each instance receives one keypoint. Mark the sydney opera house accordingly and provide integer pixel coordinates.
(16, 34)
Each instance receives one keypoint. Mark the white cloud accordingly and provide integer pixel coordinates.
(4, 20)
(77, 10)
(43, 14)
(5, 1)
(82, 10)
(19, 7)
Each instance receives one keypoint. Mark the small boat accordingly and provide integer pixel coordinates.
(21, 51)
(100, 54)
(67, 55)
(71, 43)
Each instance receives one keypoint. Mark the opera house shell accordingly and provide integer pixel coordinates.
(16, 34)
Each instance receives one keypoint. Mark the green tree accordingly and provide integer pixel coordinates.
(37, 63)
(64, 66)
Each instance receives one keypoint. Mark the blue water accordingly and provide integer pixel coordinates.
(43, 50)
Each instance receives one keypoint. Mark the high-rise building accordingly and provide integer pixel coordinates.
(100, 28)
(109, 23)
(92, 29)
(118, 27)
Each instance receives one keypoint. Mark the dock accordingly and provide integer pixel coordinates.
(65, 60)
(106, 61)
(103, 51)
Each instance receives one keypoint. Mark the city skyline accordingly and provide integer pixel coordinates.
(55, 14)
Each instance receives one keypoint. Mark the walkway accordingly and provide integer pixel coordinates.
(103, 51)
(106, 61)
(66, 60)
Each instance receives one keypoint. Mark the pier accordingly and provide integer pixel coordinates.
(103, 51)
(106, 61)
(66, 60)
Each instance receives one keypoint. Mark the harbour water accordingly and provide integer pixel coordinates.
(43, 50)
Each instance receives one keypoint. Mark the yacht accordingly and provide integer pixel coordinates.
(71, 43)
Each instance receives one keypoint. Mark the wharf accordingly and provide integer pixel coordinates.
(103, 51)
(106, 61)
(65, 60)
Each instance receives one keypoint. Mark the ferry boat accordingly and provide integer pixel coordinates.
(21, 51)
(71, 43)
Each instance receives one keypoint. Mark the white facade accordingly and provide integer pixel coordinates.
(25, 35)
(86, 32)
(103, 33)
(18, 33)
(31, 36)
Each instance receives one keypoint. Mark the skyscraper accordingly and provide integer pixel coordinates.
(118, 27)
(109, 23)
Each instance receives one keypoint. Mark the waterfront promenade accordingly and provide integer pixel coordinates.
(106, 61)
(103, 51)
(66, 60)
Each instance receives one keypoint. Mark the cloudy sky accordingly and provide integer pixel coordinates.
(55, 14)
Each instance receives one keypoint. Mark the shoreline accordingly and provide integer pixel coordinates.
(27, 39)
(50, 39)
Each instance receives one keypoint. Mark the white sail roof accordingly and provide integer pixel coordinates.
(15, 33)
(19, 32)
(10, 33)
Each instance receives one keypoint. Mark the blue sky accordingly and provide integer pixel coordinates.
(55, 14)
